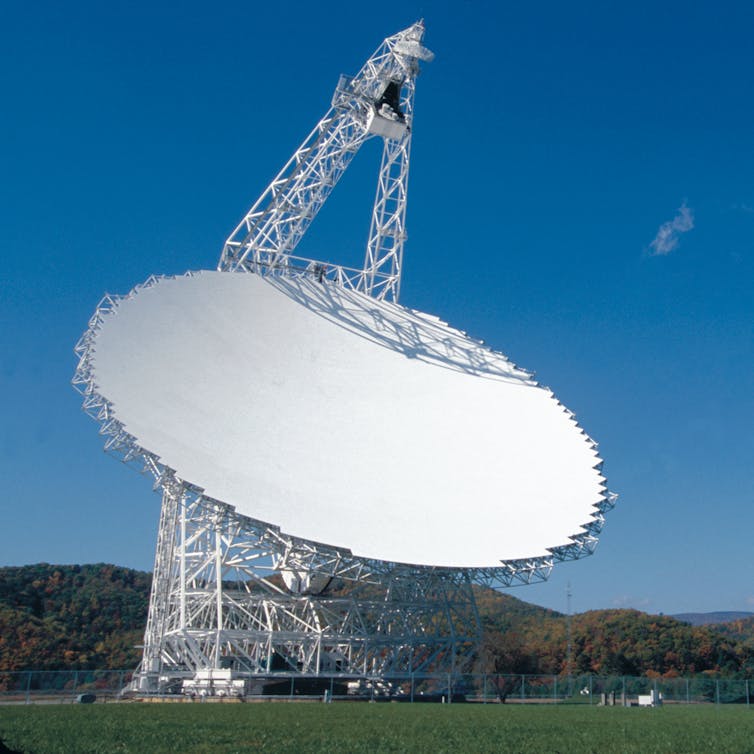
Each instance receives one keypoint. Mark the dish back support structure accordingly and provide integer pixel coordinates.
(236, 602)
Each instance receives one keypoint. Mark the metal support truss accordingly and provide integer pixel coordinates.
(235, 601)
(384, 257)
(235, 605)
(378, 101)
(302, 556)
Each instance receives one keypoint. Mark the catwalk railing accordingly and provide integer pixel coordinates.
(38, 686)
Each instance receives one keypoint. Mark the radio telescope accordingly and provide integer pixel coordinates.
(337, 470)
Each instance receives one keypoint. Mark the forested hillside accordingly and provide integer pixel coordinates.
(93, 616)
(741, 630)
(83, 617)
(705, 619)
(608, 642)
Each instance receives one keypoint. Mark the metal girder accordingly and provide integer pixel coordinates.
(221, 588)
(231, 594)
(378, 101)
(295, 554)
(218, 602)
(384, 257)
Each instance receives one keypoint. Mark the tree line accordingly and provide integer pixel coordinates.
(607, 642)
(78, 617)
(84, 617)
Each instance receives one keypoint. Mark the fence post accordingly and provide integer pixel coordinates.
(450, 690)
(717, 691)
(291, 687)
(590, 688)
(555, 688)
(28, 686)
(688, 698)
(747, 692)
(523, 688)
(484, 689)
(412, 688)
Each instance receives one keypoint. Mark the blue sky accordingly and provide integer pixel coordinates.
(581, 197)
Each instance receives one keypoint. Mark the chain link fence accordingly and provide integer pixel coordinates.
(37, 686)
(30, 686)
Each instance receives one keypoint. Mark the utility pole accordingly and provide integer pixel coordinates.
(569, 668)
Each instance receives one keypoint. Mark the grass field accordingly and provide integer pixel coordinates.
(347, 727)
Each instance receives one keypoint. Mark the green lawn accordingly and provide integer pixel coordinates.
(363, 727)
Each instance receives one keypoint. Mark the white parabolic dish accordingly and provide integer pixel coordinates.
(345, 420)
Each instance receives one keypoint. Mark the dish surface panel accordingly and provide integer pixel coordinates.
(344, 420)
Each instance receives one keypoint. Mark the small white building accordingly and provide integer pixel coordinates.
(652, 699)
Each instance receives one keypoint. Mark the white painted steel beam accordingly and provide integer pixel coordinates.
(336, 470)
(377, 101)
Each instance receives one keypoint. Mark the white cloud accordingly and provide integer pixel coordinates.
(669, 233)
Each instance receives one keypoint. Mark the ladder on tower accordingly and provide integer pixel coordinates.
(377, 102)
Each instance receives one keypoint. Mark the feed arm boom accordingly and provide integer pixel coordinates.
(377, 101)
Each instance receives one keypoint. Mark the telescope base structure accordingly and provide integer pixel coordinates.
(236, 606)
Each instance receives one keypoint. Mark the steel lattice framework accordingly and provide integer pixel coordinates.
(219, 602)
(378, 101)
(235, 600)
(232, 593)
